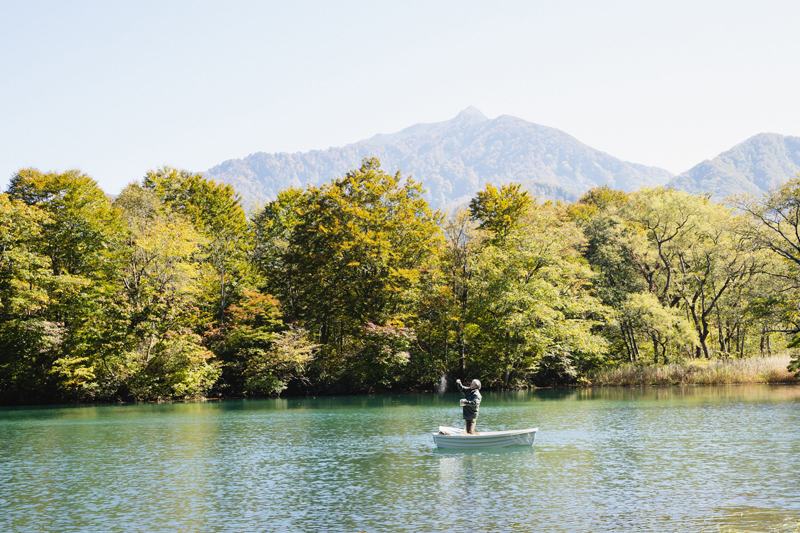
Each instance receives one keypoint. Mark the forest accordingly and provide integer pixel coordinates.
(172, 290)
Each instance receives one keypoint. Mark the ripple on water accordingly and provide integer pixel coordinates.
(701, 459)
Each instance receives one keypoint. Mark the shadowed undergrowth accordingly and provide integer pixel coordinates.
(700, 372)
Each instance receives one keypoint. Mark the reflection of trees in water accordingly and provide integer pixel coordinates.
(695, 392)
(750, 391)
(732, 518)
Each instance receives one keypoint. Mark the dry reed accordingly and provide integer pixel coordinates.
(700, 372)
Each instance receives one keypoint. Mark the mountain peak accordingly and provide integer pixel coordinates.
(454, 159)
(753, 166)
(469, 115)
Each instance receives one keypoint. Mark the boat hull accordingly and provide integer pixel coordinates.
(493, 439)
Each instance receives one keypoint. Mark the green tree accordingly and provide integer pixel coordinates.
(261, 354)
(616, 274)
(777, 215)
(663, 326)
(443, 311)
(355, 254)
(273, 229)
(215, 211)
(27, 337)
(161, 355)
(23, 270)
(533, 308)
(77, 234)
(459, 262)
(499, 211)
(80, 225)
(689, 253)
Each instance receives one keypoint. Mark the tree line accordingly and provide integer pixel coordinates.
(171, 291)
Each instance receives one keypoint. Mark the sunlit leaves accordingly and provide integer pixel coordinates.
(531, 295)
(162, 357)
(664, 326)
(80, 224)
(215, 211)
(23, 270)
(348, 253)
(499, 210)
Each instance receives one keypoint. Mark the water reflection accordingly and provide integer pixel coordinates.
(681, 458)
(756, 519)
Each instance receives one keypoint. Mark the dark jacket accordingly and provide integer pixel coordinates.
(473, 401)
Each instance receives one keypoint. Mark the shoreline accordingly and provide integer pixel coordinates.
(593, 385)
(755, 370)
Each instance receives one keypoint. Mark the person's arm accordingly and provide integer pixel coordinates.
(461, 388)
(476, 402)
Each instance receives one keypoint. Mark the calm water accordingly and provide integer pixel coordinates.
(694, 459)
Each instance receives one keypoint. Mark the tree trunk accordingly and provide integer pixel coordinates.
(324, 334)
(634, 344)
(221, 298)
(446, 353)
(655, 350)
(723, 340)
(704, 332)
(628, 345)
(740, 341)
(704, 344)
(461, 352)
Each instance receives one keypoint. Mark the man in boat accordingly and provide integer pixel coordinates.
(470, 403)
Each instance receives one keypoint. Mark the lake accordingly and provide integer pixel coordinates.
(723, 458)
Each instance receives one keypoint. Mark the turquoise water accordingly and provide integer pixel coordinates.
(694, 459)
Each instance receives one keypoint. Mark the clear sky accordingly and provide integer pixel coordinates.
(117, 88)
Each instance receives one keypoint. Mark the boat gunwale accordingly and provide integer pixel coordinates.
(508, 433)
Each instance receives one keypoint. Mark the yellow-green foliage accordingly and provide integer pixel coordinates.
(358, 286)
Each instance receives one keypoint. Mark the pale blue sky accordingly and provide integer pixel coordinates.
(117, 88)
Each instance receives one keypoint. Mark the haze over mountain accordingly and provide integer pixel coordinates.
(453, 160)
(754, 166)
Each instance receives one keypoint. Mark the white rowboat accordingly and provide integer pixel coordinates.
(458, 438)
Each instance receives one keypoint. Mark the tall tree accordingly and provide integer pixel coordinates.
(77, 236)
(443, 320)
(27, 337)
(216, 212)
(273, 229)
(688, 251)
(499, 210)
(616, 276)
(664, 326)
(778, 230)
(80, 225)
(532, 303)
(161, 356)
(356, 252)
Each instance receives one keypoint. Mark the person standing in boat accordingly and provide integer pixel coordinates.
(470, 403)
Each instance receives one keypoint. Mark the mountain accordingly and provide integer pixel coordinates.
(453, 160)
(754, 166)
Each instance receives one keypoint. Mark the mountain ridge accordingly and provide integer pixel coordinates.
(453, 159)
(754, 166)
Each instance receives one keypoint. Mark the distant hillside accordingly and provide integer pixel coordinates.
(453, 159)
(758, 164)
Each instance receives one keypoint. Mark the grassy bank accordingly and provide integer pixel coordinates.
(700, 372)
